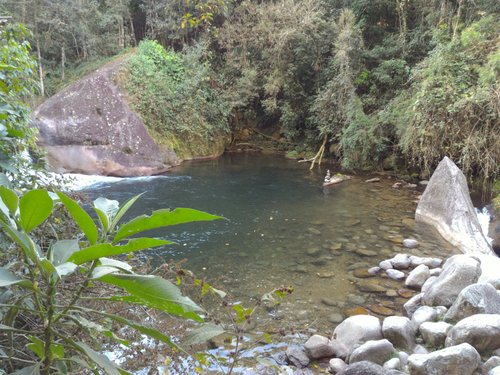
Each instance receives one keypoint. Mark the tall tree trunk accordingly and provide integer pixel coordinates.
(403, 28)
(63, 62)
(457, 18)
(121, 34)
(132, 31)
(40, 67)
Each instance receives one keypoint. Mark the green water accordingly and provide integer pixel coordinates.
(282, 227)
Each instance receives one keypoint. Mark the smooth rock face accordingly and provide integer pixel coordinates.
(318, 347)
(392, 364)
(428, 284)
(459, 271)
(401, 261)
(457, 360)
(434, 333)
(446, 205)
(423, 314)
(89, 128)
(357, 329)
(400, 331)
(418, 277)
(336, 365)
(363, 368)
(413, 304)
(474, 299)
(376, 351)
(482, 331)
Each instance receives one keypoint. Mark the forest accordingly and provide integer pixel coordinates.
(369, 83)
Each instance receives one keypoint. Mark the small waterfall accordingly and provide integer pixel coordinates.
(484, 218)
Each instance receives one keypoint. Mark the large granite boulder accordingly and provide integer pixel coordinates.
(446, 205)
(357, 330)
(457, 360)
(400, 331)
(474, 299)
(482, 331)
(458, 272)
(376, 351)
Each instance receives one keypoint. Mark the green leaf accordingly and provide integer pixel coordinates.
(106, 209)
(34, 208)
(4, 180)
(106, 249)
(115, 263)
(7, 278)
(10, 199)
(123, 210)
(66, 269)
(101, 271)
(241, 313)
(24, 241)
(203, 333)
(62, 250)
(30, 370)
(99, 359)
(153, 291)
(81, 217)
(161, 218)
(36, 346)
(47, 267)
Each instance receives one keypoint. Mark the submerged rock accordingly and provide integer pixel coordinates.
(446, 205)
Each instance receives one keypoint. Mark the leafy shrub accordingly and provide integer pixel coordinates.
(173, 93)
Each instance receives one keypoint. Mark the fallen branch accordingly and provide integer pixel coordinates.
(319, 155)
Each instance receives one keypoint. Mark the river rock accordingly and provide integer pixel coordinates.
(423, 314)
(362, 273)
(435, 271)
(399, 331)
(434, 333)
(385, 264)
(428, 283)
(318, 347)
(419, 349)
(371, 287)
(416, 261)
(446, 205)
(374, 270)
(376, 351)
(336, 365)
(494, 371)
(410, 243)
(462, 359)
(490, 364)
(363, 368)
(89, 128)
(474, 299)
(401, 261)
(392, 364)
(395, 274)
(417, 277)
(459, 271)
(413, 304)
(482, 331)
(379, 309)
(314, 231)
(357, 330)
(335, 318)
(366, 252)
(490, 264)
(297, 356)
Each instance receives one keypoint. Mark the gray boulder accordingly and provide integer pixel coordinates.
(423, 314)
(395, 274)
(459, 271)
(435, 333)
(490, 364)
(318, 347)
(417, 277)
(376, 351)
(297, 356)
(482, 331)
(416, 261)
(401, 261)
(494, 371)
(474, 299)
(392, 364)
(356, 330)
(336, 365)
(446, 205)
(400, 331)
(462, 359)
(363, 368)
(428, 283)
(413, 304)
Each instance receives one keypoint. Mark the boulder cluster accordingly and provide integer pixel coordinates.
(451, 327)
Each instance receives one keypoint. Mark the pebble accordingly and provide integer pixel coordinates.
(313, 231)
(376, 179)
(328, 301)
(410, 243)
(391, 293)
(335, 318)
(313, 251)
(395, 274)
(380, 310)
(385, 265)
(367, 253)
(374, 270)
(362, 273)
(356, 299)
(371, 287)
(356, 311)
(406, 293)
(352, 222)
(336, 246)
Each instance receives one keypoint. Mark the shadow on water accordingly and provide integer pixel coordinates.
(282, 227)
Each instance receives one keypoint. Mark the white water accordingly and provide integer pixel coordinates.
(484, 218)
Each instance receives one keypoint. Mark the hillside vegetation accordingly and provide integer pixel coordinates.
(373, 81)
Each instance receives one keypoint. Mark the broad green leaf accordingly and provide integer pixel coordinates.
(155, 292)
(34, 208)
(242, 313)
(47, 267)
(62, 250)
(115, 263)
(24, 241)
(36, 346)
(123, 210)
(106, 209)
(10, 199)
(203, 333)
(101, 271)
(66, 269)
(30, 370)
(81, 217)
(4, 180)
(99, 359)
(105, 250)
(161, 218)
(7, 278)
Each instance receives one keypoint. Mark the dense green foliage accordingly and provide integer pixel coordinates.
(174, 95)
(48, 322)
(377, 78)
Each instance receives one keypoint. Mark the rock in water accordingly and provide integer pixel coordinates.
(446, 205)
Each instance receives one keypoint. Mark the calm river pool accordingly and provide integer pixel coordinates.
(284, 228)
